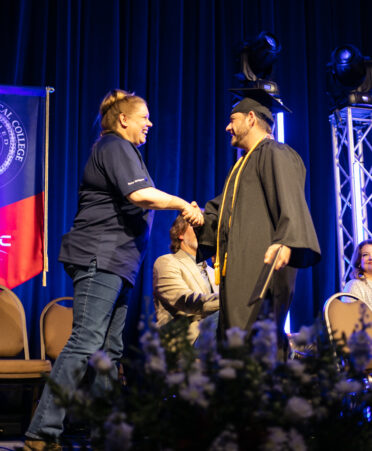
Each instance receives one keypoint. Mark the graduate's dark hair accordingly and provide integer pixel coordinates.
(262, 121)
(356, 260)
(178, 228)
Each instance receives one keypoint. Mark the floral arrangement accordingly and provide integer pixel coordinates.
(234, 395)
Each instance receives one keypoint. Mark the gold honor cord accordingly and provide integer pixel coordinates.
(48, 90)
(241, 162)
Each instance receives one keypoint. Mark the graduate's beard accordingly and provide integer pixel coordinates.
(238, 138)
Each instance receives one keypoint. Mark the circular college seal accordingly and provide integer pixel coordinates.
(13, 144)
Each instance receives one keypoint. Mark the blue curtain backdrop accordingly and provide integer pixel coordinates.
(179, 55)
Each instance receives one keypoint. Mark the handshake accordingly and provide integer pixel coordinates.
(192, 214)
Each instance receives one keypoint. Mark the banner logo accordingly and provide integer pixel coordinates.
(13, 144)
(5, 242)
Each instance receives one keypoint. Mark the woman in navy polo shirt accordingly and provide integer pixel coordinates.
(104, 250)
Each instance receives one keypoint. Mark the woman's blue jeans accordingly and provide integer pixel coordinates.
(99, 312)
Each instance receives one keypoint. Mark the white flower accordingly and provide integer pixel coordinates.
(194, 395)
(118, 433)
(280, 440)
(345, 387)
(198, 385)
(298, 408)
(175, 378)
(209, 388)
(306, 378)
(206, 345)
(226, 441)
(198, 379)
(150, 341)
(154, 352)
(276, 440)
(196, 367)
(157, 364)
(360, 344)
(295, 441)
(233, 363)
(265, 347)
(305, 336)
(229, 367)
(101, 362)
(235, 337)
(296, 367)
(227, 373)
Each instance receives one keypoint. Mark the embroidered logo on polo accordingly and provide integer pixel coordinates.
(137, 180)
(13, 144)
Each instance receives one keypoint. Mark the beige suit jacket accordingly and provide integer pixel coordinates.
(179, 289)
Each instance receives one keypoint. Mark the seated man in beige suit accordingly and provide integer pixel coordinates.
(181, 286)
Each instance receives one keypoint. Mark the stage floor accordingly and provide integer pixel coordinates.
(13, 444)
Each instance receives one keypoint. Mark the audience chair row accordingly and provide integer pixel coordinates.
(17, 369)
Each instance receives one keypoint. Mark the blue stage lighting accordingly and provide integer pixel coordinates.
(349, 78)
(256, 59)
(348, 66)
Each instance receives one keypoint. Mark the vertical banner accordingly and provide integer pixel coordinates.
(23, 139)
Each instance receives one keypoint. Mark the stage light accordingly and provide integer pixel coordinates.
(256, 58)
(261, 54)
(349, 78)
(348, 66)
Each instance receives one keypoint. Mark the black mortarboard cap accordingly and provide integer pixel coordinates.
(259, 100)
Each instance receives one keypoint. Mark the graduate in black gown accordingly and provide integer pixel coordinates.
(261, 208)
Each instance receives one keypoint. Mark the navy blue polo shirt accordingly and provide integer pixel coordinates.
(107, 226)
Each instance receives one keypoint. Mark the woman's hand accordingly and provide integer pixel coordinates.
(192, 214)
(155, 199)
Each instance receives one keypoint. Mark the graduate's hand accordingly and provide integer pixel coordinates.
(201, 216)
(192, 214)
(195, 205)
(283, 258)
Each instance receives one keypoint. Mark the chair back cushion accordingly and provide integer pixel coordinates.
(11, 325)
(345, 317)
(57, 329)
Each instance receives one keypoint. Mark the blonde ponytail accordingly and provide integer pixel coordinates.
(115, 102)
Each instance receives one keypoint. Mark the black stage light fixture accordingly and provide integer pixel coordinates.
(256, 58)
(349, 78)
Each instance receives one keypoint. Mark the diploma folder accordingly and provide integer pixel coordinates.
(263, 281)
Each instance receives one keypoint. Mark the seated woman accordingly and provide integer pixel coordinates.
(361, 283)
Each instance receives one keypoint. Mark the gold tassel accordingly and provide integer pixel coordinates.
(217, 273)
(224, 265)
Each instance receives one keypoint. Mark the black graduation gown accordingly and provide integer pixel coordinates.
(270, 208)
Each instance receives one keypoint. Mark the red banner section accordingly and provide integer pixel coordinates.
(21, 240)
